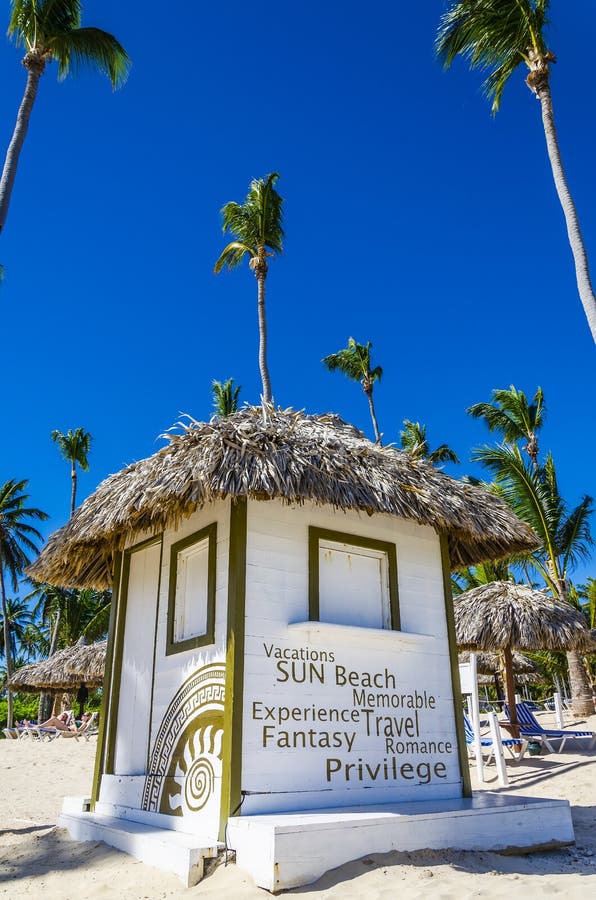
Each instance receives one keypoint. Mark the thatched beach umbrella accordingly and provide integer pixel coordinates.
(264, 453)
(490, 663)
(501, 616)
(88, 663)
(490, 669)
(53, 674)
(524, 678)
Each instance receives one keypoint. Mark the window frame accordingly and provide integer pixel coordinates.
(316, 535)
(201, 640)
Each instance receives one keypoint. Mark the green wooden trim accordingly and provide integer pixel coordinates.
(154, 654)
(454, 663)
(208, 533)
(119, 652)
(107, 685)
(231, 787)
(316, 535)
(313, 574)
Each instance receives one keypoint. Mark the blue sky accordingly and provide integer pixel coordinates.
(414, 219)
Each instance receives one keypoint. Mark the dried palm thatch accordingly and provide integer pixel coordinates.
(503, 615)
(489, 664)
(529, 678)
(489, 667)
(265, 453)
(88, 664)
(53, 674)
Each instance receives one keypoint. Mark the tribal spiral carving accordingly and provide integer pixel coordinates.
(196, 770)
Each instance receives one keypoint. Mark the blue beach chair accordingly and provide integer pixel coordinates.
(486, 743)
(531, 729)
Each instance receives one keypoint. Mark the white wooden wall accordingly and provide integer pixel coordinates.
(134, 711)
(172, 671)
(150, 679)
(276, 778)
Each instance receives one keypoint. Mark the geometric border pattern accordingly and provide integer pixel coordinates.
(204, 690)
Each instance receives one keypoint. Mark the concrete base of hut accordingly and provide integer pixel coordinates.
(287, 850)
(178, 852)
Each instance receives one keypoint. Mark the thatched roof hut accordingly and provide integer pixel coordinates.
(54, 674)
(265, 453)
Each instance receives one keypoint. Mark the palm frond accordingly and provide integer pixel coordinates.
(346, 362)
(493, 35)
(574, 538)
(523, 489)
(232, 255)
(510, 414)
(16, 534)
(74, 445)
(90, 47)
(413, 439)
(225, 397)
(443, 453)
(258, 221)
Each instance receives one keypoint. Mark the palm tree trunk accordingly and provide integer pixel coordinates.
(579, 682)
(14, 148)
(373, 414)
(581, 692)
(582, 271)
(6, 648)
(55, 630)
(261, 276)
(73, 475)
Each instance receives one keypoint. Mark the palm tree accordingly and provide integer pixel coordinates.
(414, 442)
(50, 30)
(17, 538)
(482, 573)
(514, 418)
(533, 493)
(225, 397)
(498, 36)
(354, 361)
(63, 616)
(74, 447)
(19, 618)
(257, 226)
(587, 593)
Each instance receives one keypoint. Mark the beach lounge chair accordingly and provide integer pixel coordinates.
(511, 744)
(531, 729)
(82, 732)
(11, 734)
(92, 729)
(43, 734)
(46, 732)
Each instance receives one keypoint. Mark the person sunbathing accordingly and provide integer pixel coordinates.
(64, 722)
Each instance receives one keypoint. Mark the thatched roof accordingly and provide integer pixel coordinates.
(53, 674)
(502, 614)
(491, 664)
(88, 664)
(529, 678)
(265, 453)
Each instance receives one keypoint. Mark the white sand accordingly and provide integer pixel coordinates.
(39, 860)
